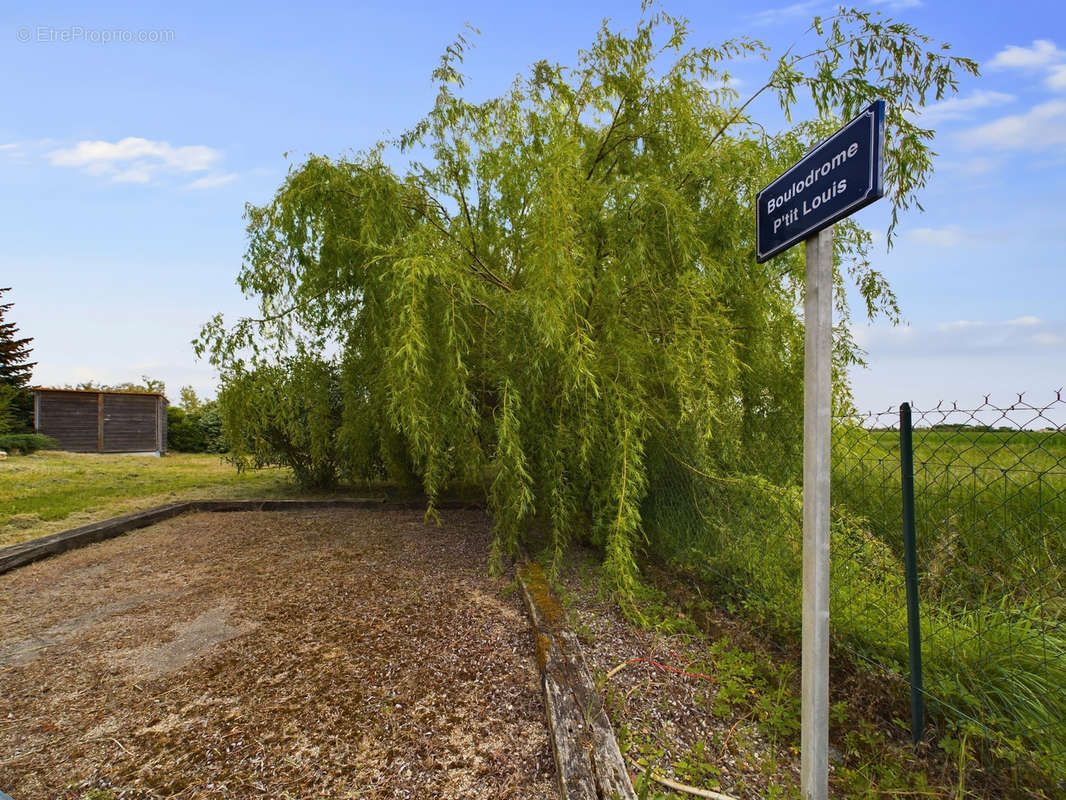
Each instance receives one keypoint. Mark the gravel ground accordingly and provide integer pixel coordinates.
(679, 698)
(317, 654)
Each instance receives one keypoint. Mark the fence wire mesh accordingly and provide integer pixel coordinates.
(990, 523)
(990, 507)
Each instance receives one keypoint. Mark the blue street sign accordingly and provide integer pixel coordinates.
(837, 177)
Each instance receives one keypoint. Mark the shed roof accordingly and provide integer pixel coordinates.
(95, 391)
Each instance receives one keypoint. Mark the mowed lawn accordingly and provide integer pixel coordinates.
(51, 491)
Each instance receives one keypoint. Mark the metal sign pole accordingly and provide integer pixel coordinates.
(817, 401)
(838, 176)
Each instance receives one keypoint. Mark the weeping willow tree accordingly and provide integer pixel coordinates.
(558, 298)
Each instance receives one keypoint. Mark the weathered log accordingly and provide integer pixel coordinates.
(588, 761)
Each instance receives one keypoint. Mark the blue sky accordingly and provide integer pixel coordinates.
(134, 134)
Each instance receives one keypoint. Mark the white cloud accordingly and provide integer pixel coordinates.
(948, 236)
(774, 16)
(133, 159)
(1026, 321)
(138, 173)
(1057, 78)
(1043, 53)
(211, 181)
(961, 335)
(979, 165)
(15, 152)
(1039, 128)
(878, 333)
(962, 360)
(959, 325)
(964, 107)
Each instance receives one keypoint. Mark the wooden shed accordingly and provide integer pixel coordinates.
(101, 421)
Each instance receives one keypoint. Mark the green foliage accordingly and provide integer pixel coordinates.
(25, 443)
(147, 384)
(196, 431)
(210, 422)
(287, 414)
(189, 402)
(754, 702)
(563, 297)
(16, 401)
(15, 366)
(8, 408)
(994, 650)
(183, 434)
(869, 773)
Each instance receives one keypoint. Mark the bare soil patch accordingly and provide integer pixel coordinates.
(315, 654)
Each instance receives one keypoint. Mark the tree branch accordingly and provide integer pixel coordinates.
(614, 123)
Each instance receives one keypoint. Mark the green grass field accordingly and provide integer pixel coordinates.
(51, 491)
(990, 507)
(990, 519)
(991, 532)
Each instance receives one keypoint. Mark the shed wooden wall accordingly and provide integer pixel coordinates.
(70, 417)
(129, 423)
(89, 422)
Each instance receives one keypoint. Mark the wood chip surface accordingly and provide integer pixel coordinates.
(335, 654)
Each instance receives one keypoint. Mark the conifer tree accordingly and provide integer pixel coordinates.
(15, 366)
(16, 369)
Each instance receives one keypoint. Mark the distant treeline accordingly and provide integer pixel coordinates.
(196, 431)
(966, 427)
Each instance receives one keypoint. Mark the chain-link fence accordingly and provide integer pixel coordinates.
(989, 500)
(989, 485)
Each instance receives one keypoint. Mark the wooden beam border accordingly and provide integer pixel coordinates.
(18, 555)
(589, 764)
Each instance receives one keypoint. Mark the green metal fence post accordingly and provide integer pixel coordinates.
(910, 566)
